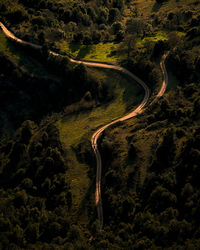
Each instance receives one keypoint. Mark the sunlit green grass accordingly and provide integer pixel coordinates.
(160, 36)
(107, 52)
(78, 179)
(93, 52)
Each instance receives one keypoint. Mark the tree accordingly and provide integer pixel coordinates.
(132, 152)
(27, 183)
(18, 15)
(128, 44)
(114, 15)
(159, 48)
(18, 235)
(166, 150)
(54, 229)
(87, 38)
(46, 185)
(103, 15)
(88, 96)
(161, 198)
(41, 37)
(32, 232)
(27, 131)
(196, 106)
(49, 164)
(20, 198)
(143, 243)
(120, 35)
(173, 39)
(135, 26)
(96, 36)
(116, 27)
(187, 191)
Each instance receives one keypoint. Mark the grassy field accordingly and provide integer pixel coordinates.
(93, 52)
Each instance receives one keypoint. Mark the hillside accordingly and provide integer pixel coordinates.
(150, 185)
(51, 106)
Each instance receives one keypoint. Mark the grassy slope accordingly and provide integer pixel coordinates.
(126, 95)
(74, 127)
(94, 52)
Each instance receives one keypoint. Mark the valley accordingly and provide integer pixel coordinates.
(99, 124)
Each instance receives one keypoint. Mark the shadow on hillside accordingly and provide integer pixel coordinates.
(133, 93)
(83, 52)
(74, 47)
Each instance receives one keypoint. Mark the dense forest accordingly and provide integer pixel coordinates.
(80, 21)
(150, 182)
(151, 176)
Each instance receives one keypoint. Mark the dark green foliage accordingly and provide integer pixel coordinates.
(34, 191)
(162, 211)
(161, 1)
(146, 68)
(150, 194)
(132, 152)
(45, 17)
(167, 145)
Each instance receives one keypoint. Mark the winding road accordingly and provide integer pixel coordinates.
(96, 135)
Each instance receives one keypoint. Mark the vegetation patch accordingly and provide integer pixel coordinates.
(104, 52)
(127, 94)
(72, 128)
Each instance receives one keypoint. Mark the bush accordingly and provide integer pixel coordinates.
(96, 36)
(116, 27)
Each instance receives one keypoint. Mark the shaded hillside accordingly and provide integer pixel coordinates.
(35, 84)
(150, 184)
(35, 192)
(50, 108)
